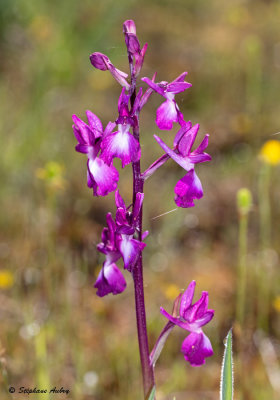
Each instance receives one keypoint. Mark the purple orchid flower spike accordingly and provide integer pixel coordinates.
(101, 177)
(129, 247)
(102, 62)
(196, 347)
(168, 112)
(189, 187)
(122, 144)
(110, 278)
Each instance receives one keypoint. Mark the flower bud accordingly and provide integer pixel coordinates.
(244, 201)
(129, 26)
(99, 61)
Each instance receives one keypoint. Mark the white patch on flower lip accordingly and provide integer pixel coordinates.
(95, 169)
(126, 248)
(169, 95)
(120, 142)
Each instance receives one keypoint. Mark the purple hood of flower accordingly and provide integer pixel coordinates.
(196, 347)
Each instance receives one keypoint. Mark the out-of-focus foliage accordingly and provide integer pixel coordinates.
(54, 330)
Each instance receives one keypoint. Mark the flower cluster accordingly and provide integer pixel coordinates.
(191, 317)
(118, 242)
(118, 139)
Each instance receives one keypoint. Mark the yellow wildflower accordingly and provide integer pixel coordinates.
(276, 303)
(270, 152)
(6, 279)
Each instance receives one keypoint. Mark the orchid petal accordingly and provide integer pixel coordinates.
(95, 124)
(120, 144)
(178, 87)
(154, 86)
(187, 189)
(166, 115)
(196, 347)
(130, 250)
(110, 280)
(183, 162)
(187, 298)
(103, 178)
(187, 140)
(185, 128)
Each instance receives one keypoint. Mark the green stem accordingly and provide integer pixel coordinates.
(242, 267)
(265, 240)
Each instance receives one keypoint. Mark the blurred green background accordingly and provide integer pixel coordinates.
(54, 330)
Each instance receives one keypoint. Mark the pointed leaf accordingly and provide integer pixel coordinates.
(226, 387)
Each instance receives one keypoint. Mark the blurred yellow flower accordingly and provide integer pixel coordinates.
(171, 292)
(52, 174)
(270, 152)
(276, 303)
(6, 279)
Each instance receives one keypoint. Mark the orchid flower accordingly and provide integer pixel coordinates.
(129, 247)
(196, 347)
(189, 187)
(167, 113)
(110, 278)
(122, 144)
(101, 177)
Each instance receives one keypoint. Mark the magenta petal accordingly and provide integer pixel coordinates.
(199, 158)
(209, 314)
(198, 309)
(187, 140)
(180, 78)
(119, 200)
(130, 250)
(110, 280)
(110, 126)
(178, 87)
(185, 128)
(154, 86)
(175, 320)
(196, 347)
(202, 145)
(187, 298)
(103, 178)
(166, 115)
(95, 124)
(82, 148)
(82, 131)
(184, 162)
(187, 189)
(122, 145)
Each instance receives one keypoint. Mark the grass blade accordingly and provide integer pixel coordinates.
(226, 388)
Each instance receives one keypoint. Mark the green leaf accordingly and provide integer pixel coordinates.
(152, 394)
(226, 388)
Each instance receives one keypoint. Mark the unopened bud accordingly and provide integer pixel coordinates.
(244, 200)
